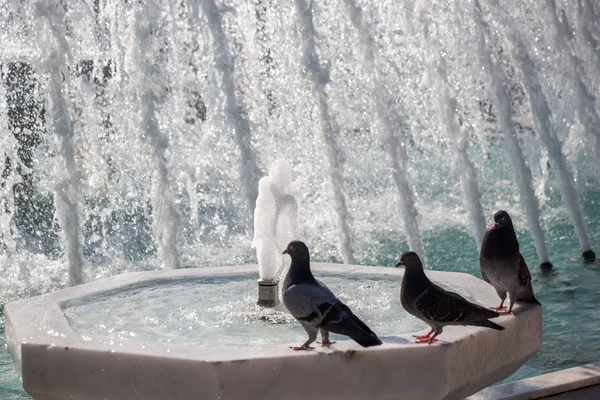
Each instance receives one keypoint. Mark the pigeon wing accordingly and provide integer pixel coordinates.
(309, 302)
(524, 279)
(523, 274)
(340, 318)
(440, 305)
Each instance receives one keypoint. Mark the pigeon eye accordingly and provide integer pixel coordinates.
(293, 248)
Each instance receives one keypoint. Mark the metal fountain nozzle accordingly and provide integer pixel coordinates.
(268, 293)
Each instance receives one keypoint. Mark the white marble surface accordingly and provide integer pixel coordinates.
(57, 363)
(573, 383)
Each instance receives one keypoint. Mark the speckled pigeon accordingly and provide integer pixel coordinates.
(502, 265)
(316, 307)
(436, 306)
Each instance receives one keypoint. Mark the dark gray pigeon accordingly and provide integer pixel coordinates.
(436, 306)
(315, 307)
(503, 266)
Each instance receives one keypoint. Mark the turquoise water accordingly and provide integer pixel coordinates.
(569, 295)
(10, 386)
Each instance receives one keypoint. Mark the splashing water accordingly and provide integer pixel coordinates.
(275, 220)
(165, 116)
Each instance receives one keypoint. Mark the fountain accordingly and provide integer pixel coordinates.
(275, 225)
(135, 136)
(196, 333)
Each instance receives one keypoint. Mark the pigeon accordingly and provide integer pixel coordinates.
(316, 307)
(436, 306)
(503, 266)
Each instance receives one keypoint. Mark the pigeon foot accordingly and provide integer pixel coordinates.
(296, 348)
(499, 308)
(427, 340)
(326, 343)
(425, 336)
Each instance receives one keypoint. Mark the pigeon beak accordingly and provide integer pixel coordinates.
(400, 263)
(285, 252)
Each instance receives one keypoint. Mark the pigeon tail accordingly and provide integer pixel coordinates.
(488, 324)
(480, 313)
(365, 336)
(341, 320)
(527, 297)
(367, 341)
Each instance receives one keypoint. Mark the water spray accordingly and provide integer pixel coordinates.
(275, 225)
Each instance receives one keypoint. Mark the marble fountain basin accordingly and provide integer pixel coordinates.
(205, 339)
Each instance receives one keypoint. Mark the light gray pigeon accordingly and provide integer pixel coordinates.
(502, 265)
(436, 306)
(316, 307)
